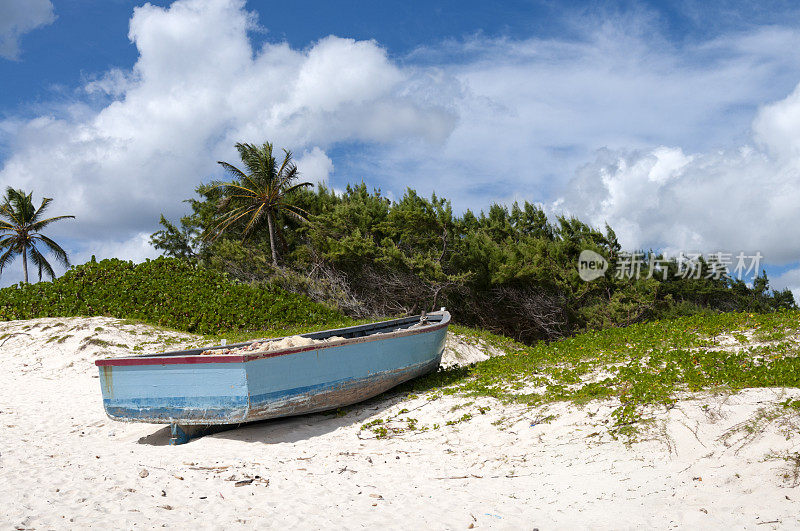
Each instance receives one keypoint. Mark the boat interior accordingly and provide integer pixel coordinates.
(383, 327)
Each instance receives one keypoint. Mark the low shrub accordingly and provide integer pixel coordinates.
(166, 291)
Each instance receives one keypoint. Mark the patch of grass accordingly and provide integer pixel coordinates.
(741, 338)
(371, 424)
(463, 418)
(643, 365)
(399, 424)
(96, 342)
(379, 430)
(57, 338)
(791, 404)
(791, 474)
(459, 406)
(793, 461)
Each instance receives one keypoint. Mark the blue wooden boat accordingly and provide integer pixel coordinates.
(193, 391)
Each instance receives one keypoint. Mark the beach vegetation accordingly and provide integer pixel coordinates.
(510, 270)
(638, 369)
(167, 292)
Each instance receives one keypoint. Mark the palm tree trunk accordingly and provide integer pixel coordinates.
(25, 262)
(272, 239)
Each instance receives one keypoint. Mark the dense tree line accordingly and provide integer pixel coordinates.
(510, 270)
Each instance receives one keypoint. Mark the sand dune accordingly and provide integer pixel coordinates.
(714, 460)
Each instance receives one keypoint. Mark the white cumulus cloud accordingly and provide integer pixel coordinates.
(315, 166)
(790, 279)
(669, 143)
(197, 88)
(18, 17)
(731, 200)
(531, 112)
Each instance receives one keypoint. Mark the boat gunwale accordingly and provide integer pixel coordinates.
(173, 359)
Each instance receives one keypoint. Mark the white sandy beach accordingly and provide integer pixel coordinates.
(63, 463)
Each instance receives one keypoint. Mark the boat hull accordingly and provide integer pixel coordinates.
(198, 390)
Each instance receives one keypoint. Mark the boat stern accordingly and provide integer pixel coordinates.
(192, 393)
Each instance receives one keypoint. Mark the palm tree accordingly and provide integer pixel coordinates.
(20, 226)
(260, 193)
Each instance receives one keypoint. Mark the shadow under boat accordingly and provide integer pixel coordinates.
(288, 429)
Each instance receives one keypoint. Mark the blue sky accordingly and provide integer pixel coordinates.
(88, 37)
(676, 122)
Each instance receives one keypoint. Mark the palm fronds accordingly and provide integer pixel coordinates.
(258, 193)
(20, 226)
